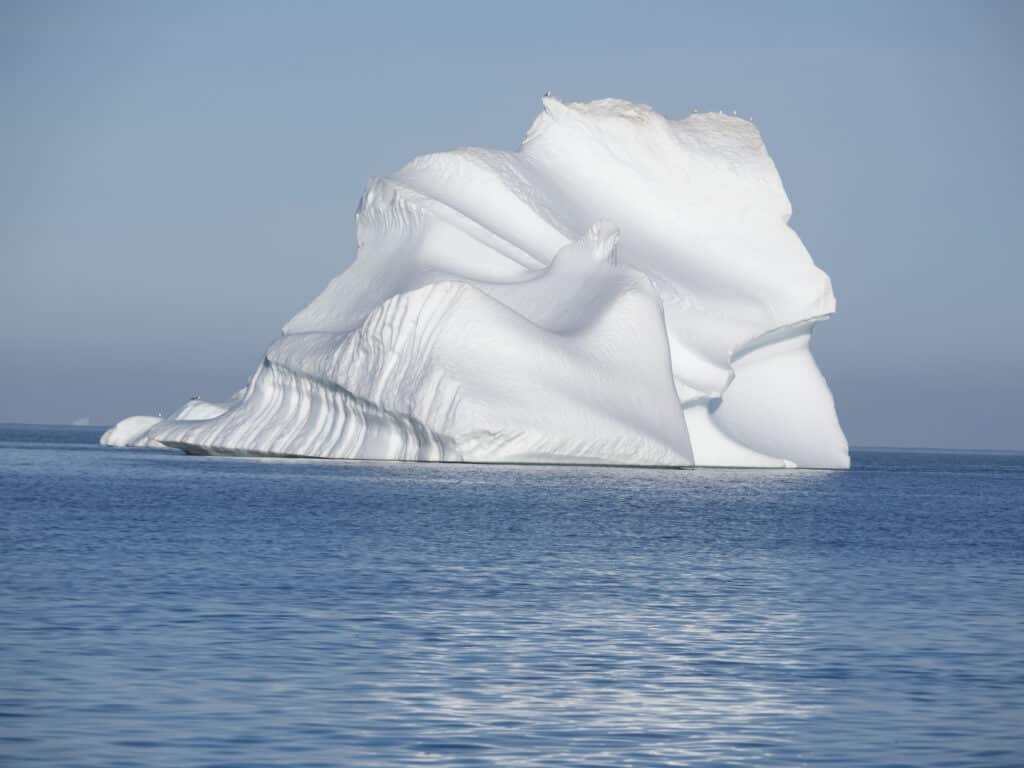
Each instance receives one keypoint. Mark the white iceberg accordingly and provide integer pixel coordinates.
(624, 289)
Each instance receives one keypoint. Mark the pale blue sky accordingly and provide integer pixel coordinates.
(177, 179)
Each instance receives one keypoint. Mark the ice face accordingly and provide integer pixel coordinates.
(622, 289)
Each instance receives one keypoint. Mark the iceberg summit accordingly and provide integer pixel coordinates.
(623, 289)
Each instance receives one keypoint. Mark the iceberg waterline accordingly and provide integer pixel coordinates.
(623, 289)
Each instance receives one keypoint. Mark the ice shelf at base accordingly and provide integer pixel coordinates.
(623, 289)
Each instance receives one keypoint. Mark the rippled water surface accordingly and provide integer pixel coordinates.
(164, 610)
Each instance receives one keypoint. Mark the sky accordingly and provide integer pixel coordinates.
(178, 179)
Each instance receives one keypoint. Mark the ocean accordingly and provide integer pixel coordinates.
(159, 609)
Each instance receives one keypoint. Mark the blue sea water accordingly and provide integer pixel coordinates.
(164, 610)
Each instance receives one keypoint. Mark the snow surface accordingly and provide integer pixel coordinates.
(132, 432)
(624, 289)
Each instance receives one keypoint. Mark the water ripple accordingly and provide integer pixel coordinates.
(159, 609)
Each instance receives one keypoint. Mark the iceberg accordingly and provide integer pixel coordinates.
(623, 289)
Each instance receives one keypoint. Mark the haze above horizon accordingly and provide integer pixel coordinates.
(179, 180)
